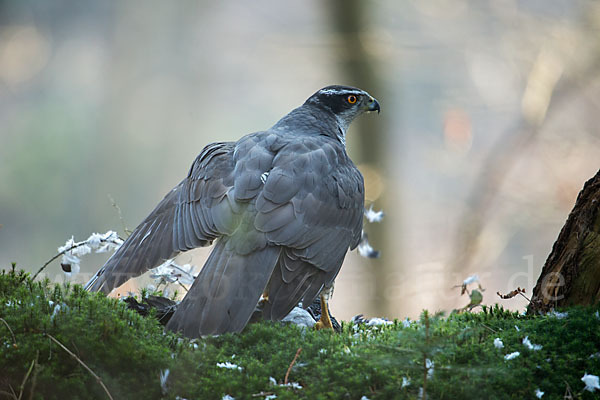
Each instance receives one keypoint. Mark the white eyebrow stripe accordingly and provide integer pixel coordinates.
(341, 91)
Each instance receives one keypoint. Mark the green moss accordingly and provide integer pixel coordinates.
(128, 352)
(124, 349)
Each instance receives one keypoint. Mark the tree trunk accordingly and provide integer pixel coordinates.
(571, 274)
(350, 20)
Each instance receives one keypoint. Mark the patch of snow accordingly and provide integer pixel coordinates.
(229, 365)
(559, 315)
(379, 321)
(512, 355)
(405, 382)
(531, 346)
(592, 382)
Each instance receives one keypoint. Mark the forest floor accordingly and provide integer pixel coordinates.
(58, 341)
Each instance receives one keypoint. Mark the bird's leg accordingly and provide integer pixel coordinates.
(265, 296)
(325, 322)
(257, 315)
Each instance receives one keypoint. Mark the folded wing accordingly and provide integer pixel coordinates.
(311, 205)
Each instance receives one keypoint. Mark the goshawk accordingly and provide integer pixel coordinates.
(283, 205)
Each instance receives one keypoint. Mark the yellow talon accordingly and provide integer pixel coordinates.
(324, 322)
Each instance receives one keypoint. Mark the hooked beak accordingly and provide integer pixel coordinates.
(373, 105)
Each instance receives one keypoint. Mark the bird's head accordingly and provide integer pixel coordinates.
(345, 102)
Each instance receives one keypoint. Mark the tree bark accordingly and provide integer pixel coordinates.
(571, 274)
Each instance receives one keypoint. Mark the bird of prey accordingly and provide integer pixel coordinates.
(283, 207)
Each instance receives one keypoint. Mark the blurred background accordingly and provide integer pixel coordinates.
(488, 128)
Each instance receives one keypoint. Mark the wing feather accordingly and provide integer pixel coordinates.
(183, 220)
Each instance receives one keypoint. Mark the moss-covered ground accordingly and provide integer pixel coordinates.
(452, 357)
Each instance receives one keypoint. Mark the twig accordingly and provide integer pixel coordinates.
(13, 392)
(76, 245)
(526, 298)
(82, 363)
(513, 293)
(9, 394)
(183, 286)
(487, 327)
(263, 394)
(11, 332)
(49, 261)
(425, 368)
(568, 394)
(34, 376)
(22, 387)
(31, 367)
(510, 294)
(287, 374)
(177, 267)
(116, 206)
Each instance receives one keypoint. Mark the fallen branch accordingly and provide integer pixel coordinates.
(287, 374)
(82, 363)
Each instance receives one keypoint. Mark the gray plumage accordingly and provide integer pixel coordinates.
(283, 205)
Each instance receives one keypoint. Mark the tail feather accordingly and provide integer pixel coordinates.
(295, 280)
(226, 291)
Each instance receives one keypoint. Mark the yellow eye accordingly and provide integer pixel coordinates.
(351, 99)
